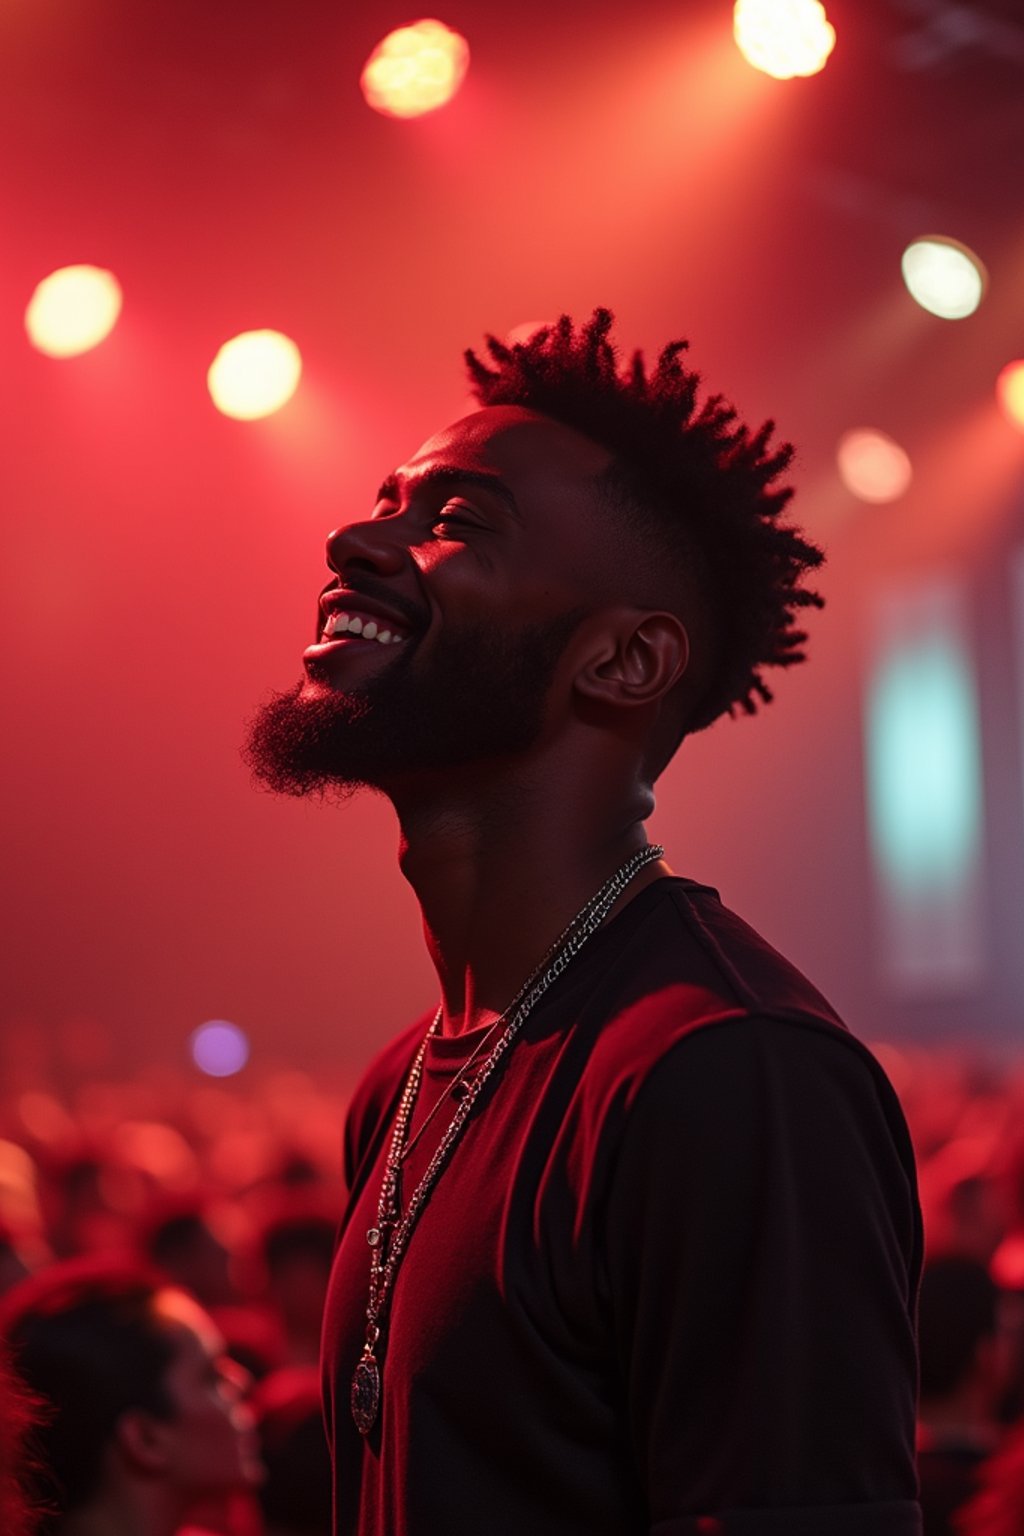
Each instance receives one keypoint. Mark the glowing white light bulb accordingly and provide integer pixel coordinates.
(945, 277)
(783, 38)
(73, 310)
(254, 374)
(415, 69)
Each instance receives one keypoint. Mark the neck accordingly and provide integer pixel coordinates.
(498, 875)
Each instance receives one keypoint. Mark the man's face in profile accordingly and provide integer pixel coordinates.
(439, 639)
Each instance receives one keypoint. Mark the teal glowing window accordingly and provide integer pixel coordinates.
(924, 787)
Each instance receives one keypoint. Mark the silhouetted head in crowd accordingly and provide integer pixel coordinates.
(141, 1416)
(297, 1251)
(77, 1215)
(296, 1496)
(182, 1243)
(963, 1361)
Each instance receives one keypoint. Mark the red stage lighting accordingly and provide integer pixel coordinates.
(254, 374)
(1010, 393)
(415, 70)
(944, 276)
(73, 310)
(872, 466)
(783, 37)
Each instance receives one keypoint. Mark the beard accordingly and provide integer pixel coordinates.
(482, 696)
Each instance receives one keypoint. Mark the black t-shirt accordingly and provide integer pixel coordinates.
(667, 1282)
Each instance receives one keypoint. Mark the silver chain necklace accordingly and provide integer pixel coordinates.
(386, 1254)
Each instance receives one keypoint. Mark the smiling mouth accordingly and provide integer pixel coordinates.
(353, 626)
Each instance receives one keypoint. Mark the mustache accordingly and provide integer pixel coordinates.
(378, 591)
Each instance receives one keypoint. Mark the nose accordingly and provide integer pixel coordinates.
(369, 545)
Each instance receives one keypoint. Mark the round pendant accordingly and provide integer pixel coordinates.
(365, 1394)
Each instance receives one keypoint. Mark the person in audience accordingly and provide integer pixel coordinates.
(182, 1243)
(79, 1217)
(297, 1251)
(962, 1373)
(296, 1495)
(142, 1419)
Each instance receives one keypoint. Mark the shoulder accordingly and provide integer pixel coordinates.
(683, 1044)
(688, 1007)
(699, 939)
(792, 1112)
(703, 1021)
(692, 989)
(672, 1055)
(758, 1114)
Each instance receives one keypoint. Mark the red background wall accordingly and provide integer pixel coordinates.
(161, 562)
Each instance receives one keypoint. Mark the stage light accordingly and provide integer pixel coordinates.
(1010, 393)
(924, 781)
(415, 70)
(73, 310)
(944, 277)
(254, 374)
(218, 1048)
(783, 38)
(872, 466)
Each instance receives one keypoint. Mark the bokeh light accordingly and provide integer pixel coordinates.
(73, 310)
(924, 777)
(1010, 393)
(254, 374)
(945, 277)
(218, 1048)
(783, 38)
(872, 466)
(415, 69)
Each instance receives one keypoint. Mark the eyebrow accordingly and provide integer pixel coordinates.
(450, 474)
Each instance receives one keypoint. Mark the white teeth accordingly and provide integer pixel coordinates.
(351, 624)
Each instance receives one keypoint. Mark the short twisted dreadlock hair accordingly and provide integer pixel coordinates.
(699, 485)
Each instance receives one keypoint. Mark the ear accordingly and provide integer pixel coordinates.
(639, 659)
(142, 1440)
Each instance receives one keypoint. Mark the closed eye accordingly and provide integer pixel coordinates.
(457, 514)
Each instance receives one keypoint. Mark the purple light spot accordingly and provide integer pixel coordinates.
(218, 1048)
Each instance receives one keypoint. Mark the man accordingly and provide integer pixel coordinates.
(632, 1240)
(139, 1420)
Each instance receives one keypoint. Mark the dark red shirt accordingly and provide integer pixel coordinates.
(667, 1282)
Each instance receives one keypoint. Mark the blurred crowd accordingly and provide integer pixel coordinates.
(165, 1247)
